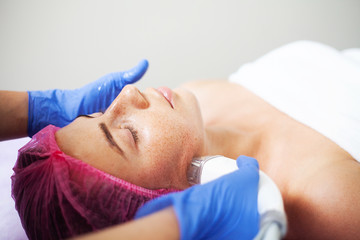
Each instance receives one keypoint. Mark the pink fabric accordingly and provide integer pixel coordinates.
(58, 196)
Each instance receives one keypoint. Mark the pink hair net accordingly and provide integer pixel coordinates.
(58, 196)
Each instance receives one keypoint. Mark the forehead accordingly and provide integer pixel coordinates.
(84, 140)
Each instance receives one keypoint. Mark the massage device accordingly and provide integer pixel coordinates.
(273, 223)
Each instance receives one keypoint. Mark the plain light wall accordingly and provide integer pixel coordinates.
(66, 43)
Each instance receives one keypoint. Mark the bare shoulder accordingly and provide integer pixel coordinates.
(328, 207)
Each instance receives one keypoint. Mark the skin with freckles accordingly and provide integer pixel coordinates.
(318, 180)
(128, 140)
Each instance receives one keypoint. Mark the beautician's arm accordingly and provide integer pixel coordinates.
(14, 114)
(26, 113)
(160, 225)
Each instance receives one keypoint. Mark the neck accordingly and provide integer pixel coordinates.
(230, 142)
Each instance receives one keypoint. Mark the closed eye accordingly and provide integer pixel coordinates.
(134, 133)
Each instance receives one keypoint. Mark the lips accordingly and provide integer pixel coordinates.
(167, 93)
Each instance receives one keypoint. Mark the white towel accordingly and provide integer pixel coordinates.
(315, 84)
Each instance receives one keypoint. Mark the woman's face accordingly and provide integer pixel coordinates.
(147, 138)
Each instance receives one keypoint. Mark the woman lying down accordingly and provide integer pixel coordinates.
(296, 110)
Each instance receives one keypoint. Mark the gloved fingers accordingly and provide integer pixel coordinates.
(154, 206)
(134, 74)
(247, 162)
(248, 169)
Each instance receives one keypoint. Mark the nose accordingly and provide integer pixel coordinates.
(129, 98)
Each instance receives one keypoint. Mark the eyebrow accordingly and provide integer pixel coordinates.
(84, 115)
(106, 132)
(109, 137)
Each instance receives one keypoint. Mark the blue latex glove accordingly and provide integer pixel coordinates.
(60, 107)
(225, 208)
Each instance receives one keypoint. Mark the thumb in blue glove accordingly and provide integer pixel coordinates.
(60, 107)
(225, 208)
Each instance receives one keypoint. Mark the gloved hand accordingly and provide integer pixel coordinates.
(60, 107)
(225, 208)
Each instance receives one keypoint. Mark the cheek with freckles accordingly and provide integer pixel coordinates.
(166, 157)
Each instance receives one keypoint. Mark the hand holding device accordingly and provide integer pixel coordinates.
(226, 208)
